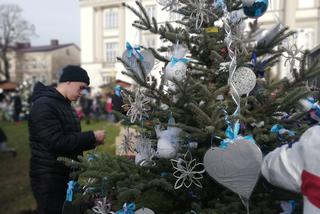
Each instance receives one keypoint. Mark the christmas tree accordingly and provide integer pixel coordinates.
(205, 125)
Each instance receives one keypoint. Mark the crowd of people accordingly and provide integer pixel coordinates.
(100, 107)
(89, 107)
(11, 106)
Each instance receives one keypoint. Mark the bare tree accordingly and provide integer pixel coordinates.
(13, 29)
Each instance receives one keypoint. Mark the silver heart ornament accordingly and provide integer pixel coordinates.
(147, 62)
(144, 211)
(236, 167)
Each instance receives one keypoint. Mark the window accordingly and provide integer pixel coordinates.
(67, 52)
(274, 5)
(111, 18)
(111, 52)
(150, 42)
(306, 3)
(305, 38)
(173, 16)
(107, 79)
(151, 11)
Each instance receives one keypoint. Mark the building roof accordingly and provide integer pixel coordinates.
(8, 85)
(45, 48)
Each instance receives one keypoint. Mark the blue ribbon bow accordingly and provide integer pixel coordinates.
(314, 105)
(135, 51)
(127, 209)
(279, 129)
(174, 60)
(71, 185)
(232, 135)
(219, 4)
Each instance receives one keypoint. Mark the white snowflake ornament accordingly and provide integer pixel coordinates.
(188, 171)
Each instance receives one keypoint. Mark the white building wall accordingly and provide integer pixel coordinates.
(94, 36)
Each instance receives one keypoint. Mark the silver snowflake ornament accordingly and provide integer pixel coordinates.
(187, 171)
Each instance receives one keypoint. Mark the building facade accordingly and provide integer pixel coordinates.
(41, 63)
(107, 25)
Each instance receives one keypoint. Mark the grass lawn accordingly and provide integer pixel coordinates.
(15, 193)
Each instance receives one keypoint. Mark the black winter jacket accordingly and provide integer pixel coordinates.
(55, 131)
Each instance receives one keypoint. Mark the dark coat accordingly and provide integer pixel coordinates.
(55, 131)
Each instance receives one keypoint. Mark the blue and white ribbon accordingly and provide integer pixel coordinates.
(174, 60)
(127, 209)
(134, 51)
(314, 105)
(71, 185)
(232, 135)
(279, 129)
(218, 4)
(288, 206)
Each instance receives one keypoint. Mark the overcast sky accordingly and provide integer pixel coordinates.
(53, 19)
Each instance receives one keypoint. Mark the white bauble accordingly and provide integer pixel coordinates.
(193, 145)
(247, 3)
(244, 80)
(165, 149)
(166, 153)
(177, 71)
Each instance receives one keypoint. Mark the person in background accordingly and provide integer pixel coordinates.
(54, 131)
(108, 108)
(17, 107)
(86, 102)
(4, 149)
(117, 102)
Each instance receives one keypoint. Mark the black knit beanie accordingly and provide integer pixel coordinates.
(73, 73)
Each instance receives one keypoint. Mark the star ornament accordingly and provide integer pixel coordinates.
(138, 107)
(102, 207)
(187, 171)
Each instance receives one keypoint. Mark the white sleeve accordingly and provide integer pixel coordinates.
(280, 170)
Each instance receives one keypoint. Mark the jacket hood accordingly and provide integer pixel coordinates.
(41, 90)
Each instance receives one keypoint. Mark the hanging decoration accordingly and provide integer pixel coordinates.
(235, 163)
(212, 29)
(199, 13)
(132, 54)
(145, 152)
(101, 206)
(126, 146)
(280, 130)
(144, 211)
(312, 106)
(255, 8)
(169, 5)
(86, 189)
(168, 145)
(236, 166)
(243, 80)
(127, 209)
(177, 67)
(71, 186)
(232, 52)
(218, 4)
(292, 56)
(288, 207)
(138, 107)
(187, 171)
